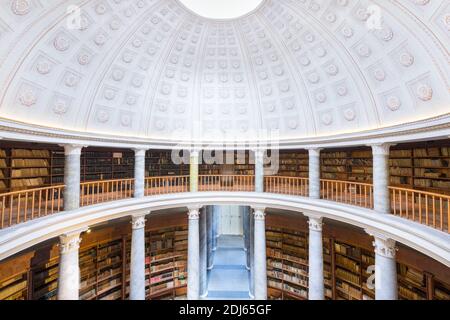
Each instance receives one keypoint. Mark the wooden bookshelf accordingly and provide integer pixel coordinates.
(15, 287)
(159, 163)
(166, 263)
(45, 280)
(293, 163)
(348, 165)
(424, 166)
(287, 264)
(99, 164)
(4, 172)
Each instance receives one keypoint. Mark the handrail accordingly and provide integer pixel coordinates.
(166, 185)
(349, 192)
(93, 192)
(286, 185)
(431, 209)
(21, 206)
(226, 182)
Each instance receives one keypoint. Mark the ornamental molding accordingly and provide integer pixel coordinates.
(315, 223)
(70, 241)
(431, 242)
(138, 222)
(259, 213)
(72, 149)
(193, 214)
(381, 149)
(383, 244)
(436, 127)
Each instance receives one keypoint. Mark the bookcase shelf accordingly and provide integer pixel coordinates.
(424, 166)
(349, 165)
(293, 163)
(287, 264)
(15, 287)
(166, 263)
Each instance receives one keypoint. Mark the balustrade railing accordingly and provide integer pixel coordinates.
(165, 185)
(354, 193)
(93, 192)
(427, 208)
(226, 183)
(286, 185)
(21, 206)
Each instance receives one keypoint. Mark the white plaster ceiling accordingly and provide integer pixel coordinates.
(151, 68)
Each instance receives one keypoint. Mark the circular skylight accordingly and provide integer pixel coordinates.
(221, 9)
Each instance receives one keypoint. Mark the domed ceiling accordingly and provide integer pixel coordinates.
(153, 68)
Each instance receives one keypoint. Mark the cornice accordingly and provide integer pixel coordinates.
(431, 128)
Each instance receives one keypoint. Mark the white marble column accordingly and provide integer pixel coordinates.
(260, 263)
(203, 254)
(259, 170)
(137, 263)
(215, 212)
(72, 169)
(381, 177)
(193, 283)
(385, 267)
(193, 171)
(316, 282)
(252, 255)
(210, 235)
(139, 172)
(69, 270)
(314, 173)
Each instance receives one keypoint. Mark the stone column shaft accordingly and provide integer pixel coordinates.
(252, 255)
(69, 270)
(193, 283)
(203, 254)
(381, 178)
(72, 169)
(386, 287)
(259, 171)
(314, 173)
(260, 263)
(137, 262)
(193, 171)
(316, 281)
(139, 173)
(210, 232)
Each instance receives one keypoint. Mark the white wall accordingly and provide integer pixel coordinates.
(230, 221)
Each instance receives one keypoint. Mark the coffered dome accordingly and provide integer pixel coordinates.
(153, 68)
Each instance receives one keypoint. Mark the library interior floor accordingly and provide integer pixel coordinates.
(277, 150)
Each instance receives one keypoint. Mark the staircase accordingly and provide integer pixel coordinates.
(229, 278)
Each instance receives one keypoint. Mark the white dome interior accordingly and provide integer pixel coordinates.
(152, 68)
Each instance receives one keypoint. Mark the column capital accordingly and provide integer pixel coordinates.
(259, 213)
(194, 212)
(70, 241)
(381, 148)
(315, 223)
(72, 149)
(314, 152)
(384, 246)
(140, 152)
(194, 152)
(138, 221)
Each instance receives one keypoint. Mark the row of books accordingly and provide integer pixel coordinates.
(432, 152)
(26, 183)
(27, 163)
(431, 163)
(30, 172)
(26, 153)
